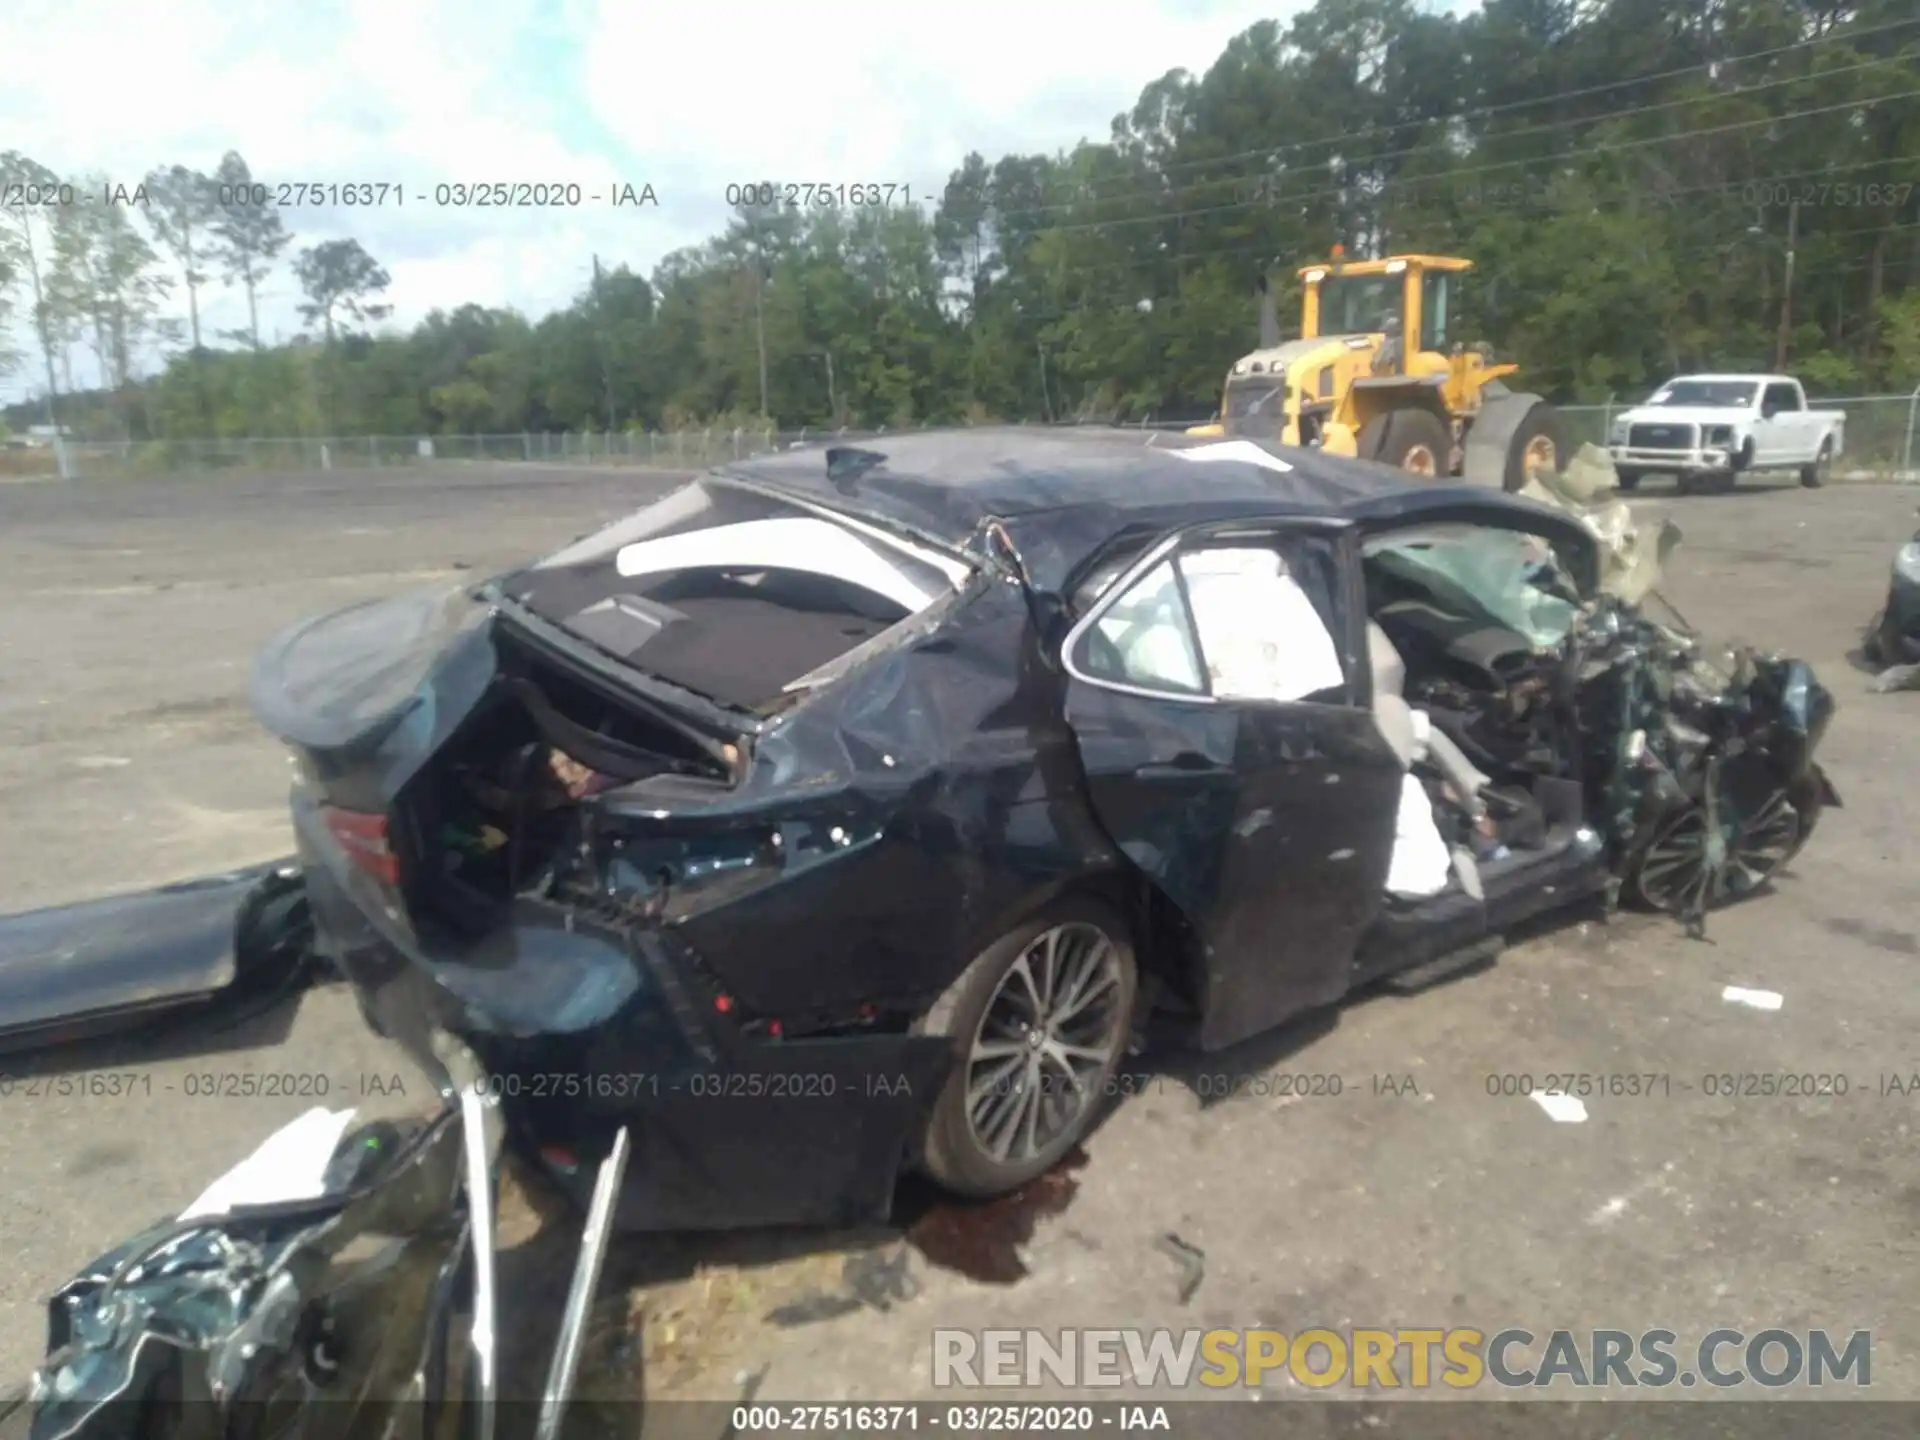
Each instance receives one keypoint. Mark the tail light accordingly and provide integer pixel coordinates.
(364, 838)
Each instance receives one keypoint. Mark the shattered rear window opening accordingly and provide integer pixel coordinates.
(732, 593)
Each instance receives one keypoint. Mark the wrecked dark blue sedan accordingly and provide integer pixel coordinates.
(850, 810)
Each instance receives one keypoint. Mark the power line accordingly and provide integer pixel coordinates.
(1444, 121)
(1205, 257)
(1454, 175)
(1121, 309)
(1181, 261)
(1665, 197)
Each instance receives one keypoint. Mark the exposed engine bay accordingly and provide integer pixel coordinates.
(1554, 719)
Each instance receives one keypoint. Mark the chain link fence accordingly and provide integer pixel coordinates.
(1881, 444)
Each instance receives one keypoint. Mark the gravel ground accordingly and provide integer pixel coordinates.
(129, 613)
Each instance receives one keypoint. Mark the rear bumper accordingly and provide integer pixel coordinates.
(76, 971)
(585, 1026)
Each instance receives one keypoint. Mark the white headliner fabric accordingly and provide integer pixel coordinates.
(818, 547)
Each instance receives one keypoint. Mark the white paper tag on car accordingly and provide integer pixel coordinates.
(1245, 451)
(291, 1164)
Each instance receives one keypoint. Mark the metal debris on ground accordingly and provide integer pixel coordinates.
(1895, 677)
(812, 1309)
(1191, 1259)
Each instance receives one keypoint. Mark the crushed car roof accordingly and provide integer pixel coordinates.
(1064, 493)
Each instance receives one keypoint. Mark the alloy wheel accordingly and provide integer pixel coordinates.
(1690, 866)
(1052, 1026)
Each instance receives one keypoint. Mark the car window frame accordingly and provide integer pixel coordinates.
(1339, 531)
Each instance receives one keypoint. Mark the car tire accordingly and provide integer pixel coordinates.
(1372, 437)
(1418, 442)
(1627, 479)
(1815, 475)
(1671, 865)
(1539, 428)
(998, 1143)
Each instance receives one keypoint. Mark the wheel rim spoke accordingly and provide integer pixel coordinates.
(1092, 977)
(1675, 866)
(998, 1049)
(1048, 1031)
(1065, 1055)
(983, 1086)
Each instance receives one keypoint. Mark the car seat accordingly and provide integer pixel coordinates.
(1421, 858)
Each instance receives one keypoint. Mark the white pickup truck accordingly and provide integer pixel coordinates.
(1708, 430)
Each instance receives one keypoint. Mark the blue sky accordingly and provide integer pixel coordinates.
(686, 97)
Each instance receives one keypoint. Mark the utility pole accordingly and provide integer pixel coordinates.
(1046, 400)
(600, 333)
(1786, 290)
(760, 315)
(833, 402)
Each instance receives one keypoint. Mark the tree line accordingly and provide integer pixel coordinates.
(1645, 187)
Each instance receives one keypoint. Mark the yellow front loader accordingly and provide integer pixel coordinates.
(1377, 373)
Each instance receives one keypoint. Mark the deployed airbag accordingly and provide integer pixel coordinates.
(1262, 637)
(1421, 864)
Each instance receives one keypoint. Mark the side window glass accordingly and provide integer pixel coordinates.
(1262, 635)
(1145, 638)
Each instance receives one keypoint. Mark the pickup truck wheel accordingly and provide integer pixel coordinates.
(1040, 1023)
(1627, 479)
(1815, 475)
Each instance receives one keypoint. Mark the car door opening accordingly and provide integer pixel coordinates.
(1468, 629)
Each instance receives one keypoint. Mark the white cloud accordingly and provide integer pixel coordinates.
(687, 97)
(875, 90)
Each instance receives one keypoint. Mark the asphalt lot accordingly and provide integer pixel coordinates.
(128, 616)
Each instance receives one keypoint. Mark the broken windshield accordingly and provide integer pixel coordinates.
(1504, 577)
(733, 593)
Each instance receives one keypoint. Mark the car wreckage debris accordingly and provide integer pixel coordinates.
(809, 826)
(1728, 823)
(1191, 1260)
(329, 1276)
(1892, 640)
(109, 966)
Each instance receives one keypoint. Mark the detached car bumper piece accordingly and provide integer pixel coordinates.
(75, 971)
